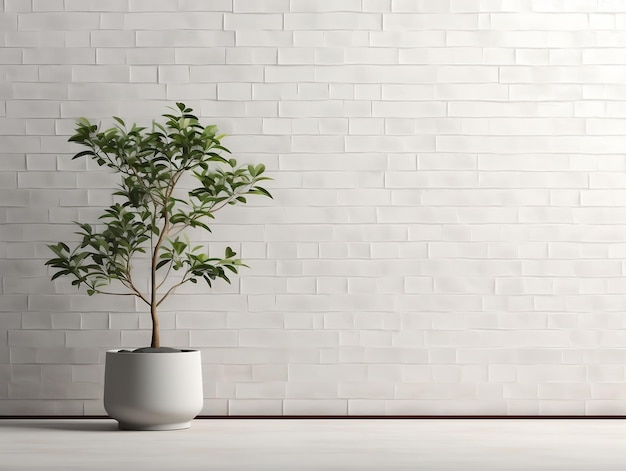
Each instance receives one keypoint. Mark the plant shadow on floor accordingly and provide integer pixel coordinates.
(70, 426)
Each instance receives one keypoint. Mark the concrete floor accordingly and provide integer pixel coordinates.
(317, 444)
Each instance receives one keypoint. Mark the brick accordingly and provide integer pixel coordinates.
(183, 20)
(200, 56)
(332, 21)
(60, 21)
(254, 21)
(416, 110)
(189, 91)
(50, 55)
(230, 73)
(318, 407)
(185, 38)
(324, 6)
(412, 22)
(243, 6)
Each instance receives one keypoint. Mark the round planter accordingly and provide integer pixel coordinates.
(153, 391)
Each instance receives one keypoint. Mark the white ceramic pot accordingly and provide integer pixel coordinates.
(153, 391)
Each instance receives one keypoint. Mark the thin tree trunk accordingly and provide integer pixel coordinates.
(156, 341)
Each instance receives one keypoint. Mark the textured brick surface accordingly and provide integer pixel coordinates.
(447, 234)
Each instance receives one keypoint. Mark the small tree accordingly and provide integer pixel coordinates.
(152, 212)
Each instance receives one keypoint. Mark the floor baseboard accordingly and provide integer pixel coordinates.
(340, 417)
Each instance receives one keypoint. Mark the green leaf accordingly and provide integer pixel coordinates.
(57, 249)
(178, 246)
(60, 273)
(257, 190)
(163, 263)
(83, 153)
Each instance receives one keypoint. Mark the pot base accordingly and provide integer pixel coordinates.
(147, 428)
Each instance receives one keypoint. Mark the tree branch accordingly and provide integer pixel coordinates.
(131, 286)
(169, 268)
(231, 198)
(115, 294)
(171, 290)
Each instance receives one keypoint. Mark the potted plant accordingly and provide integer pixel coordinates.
(155, 388)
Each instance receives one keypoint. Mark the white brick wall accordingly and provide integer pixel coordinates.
(447, 234)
